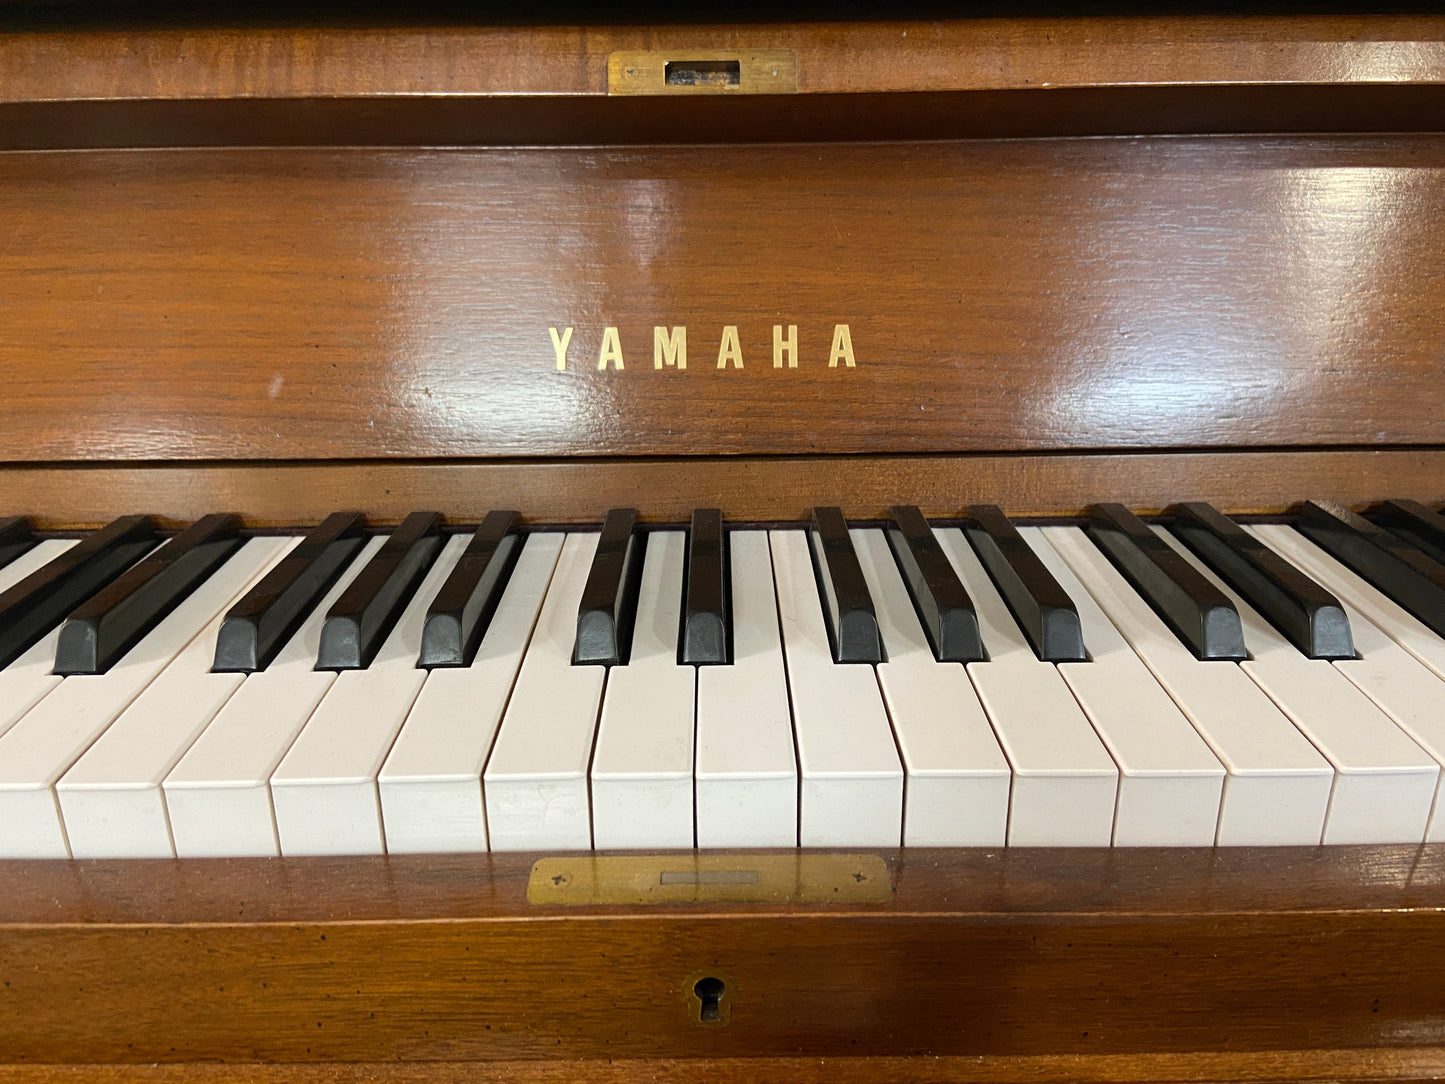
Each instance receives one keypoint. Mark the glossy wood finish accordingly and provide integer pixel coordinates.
(1082, 952)
(1029, 295)
(1400, 1064)
(746, 488)
(935, 79)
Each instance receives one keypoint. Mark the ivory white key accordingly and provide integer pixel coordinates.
(1277, 791)
(1404, 687)
(48, 739)
(747, 771)
(111, 798)
(535, 783)
(642, 766)
(1384, 613)
(1065, 783)
(431, 784)
(1384, 782)
(1170, 783)
(957, 785)
(218, 796)
(852, 787)
(29, 678)
(324, 790)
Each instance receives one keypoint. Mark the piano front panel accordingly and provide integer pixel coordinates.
(991, 296)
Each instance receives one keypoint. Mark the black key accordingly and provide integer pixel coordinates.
(458, 617)
(1306, 613)
(609, 599)
(360, 620)
(940, 598)
(1417, 525)
(1199, 613)
(847, 605)
(15, 538)
(1397, 568)
(103, 629)
(39, 602)
(258, 626)
(1039, 602)
(706, 626)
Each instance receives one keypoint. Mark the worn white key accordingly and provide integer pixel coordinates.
(1384, 782)
(1170, 784)
(1407, 690)
(29, 678)
(746, 771)
(1065, 783)
(535, 783)
(852, 786)
(431, 784)
(1382, 611)
(218, 796)
(957, 785)
(642, 766)
(1278, 788)
(111, 797)
(324, 790)
(48, 739)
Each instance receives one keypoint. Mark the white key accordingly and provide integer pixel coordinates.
(852, 792)
(1170, 784)
(1404, 687)
(535, 783)
(957, 785)
(1278, 788)
(111, 797)
(1384, 782)
(218, 795)
(29, 678)
(642, 767)
(324, 790)
(747, 770)
(431, 784)
(1382, 611)
(1065, 783)
(38, 749)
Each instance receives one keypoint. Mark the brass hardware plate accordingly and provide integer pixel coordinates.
(710, 878)
(702, 71)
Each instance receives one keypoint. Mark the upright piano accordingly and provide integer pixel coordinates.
(819, 551)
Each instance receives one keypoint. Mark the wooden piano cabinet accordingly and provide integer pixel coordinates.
(983, 965)
(282, 271)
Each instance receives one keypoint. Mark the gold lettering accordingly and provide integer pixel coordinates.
(669, 348)
(729, 349)
(559, 344)
(842, 347)
(611, 349)
(788, 345)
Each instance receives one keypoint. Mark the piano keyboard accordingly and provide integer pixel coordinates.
(1192, 682)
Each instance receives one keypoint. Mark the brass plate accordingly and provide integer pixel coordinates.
(710, 878)
(758, 71)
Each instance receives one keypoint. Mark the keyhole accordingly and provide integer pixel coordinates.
(710, 992)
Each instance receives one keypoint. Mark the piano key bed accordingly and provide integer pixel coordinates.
(1194, 682)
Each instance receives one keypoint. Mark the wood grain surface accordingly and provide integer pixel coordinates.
(1016, 953)
(1393, 1064)
(746, 488)
(1002, 296)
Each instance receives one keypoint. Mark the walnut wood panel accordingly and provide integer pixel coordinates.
(1017, 953)
(936, 79)
(1278, 1065)
(833, 58)
(745, 488)
(1015, 295)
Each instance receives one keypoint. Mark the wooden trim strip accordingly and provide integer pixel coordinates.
(745, 488)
